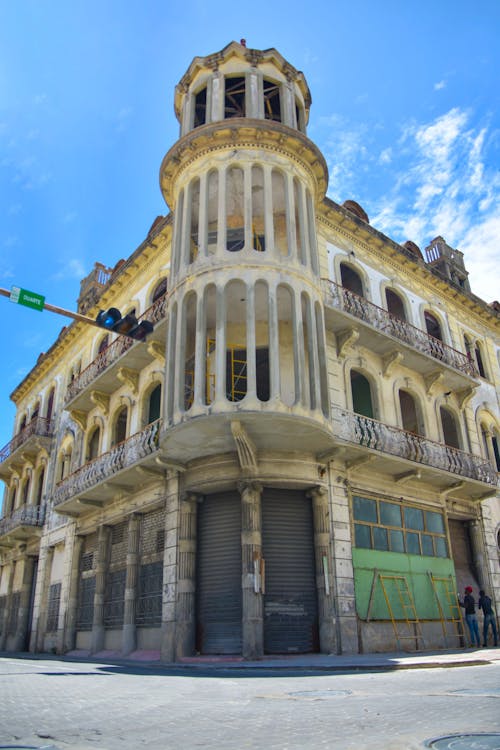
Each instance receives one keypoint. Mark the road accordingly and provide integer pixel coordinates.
(82, 705)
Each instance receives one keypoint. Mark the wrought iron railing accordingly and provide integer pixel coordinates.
(360, 430)
(343, 299)
(27, 515)
(40, 427)
(121, 456)
(113, 352)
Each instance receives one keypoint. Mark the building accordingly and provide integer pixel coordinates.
(304, 454)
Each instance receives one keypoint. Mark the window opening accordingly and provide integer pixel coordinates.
(154, 406)
(39, 491)
(120, 431)
(93, 446)
(450, 432)
(479, 361)
(395, 304)
(361, 395)
(200, 108)
(235, 210)
(234, 98)
(50, 404)
(496, 451)
(432, 326)
(160, 290)
(350, 279)
(409, 413)
(262, 373)
(272, 103)
(236, 373)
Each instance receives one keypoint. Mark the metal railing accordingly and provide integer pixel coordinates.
(350, 302)
(100, 469)
(113, 352)
(40, 426)
(26, 515)
(360, 430)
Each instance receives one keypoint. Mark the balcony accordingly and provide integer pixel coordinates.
(21, 525)
(124, 468)
(408, 456)
(121, 360)
(354, 319)
(35, 435)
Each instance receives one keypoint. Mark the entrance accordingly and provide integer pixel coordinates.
(218, 590)
(290, 600)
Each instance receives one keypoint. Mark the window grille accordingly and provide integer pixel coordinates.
(114, 598)
(14, 613)
(149, 600)
(85, 611)
(53, 607)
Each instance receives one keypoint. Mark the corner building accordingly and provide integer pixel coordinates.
(304, 454)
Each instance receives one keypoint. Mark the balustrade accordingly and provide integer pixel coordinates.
(27, 515)
(39, 427)
(113, 352)
(102, 468)
(352, 303)
(360, 430)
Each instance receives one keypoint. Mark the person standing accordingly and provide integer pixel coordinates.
(469, 605)
(484, 603)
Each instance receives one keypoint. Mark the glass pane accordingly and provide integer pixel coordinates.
(440, 546)
(427, 547)
(362, 536)
(364, 509)
(412, 545)
(380, 538)
(434, 522)
(396, 539)
(414, 518)
(390, 514)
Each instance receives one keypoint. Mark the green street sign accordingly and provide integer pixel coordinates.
(26, 298)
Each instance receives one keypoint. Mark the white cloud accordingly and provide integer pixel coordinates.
(72, 269)
(439, 85)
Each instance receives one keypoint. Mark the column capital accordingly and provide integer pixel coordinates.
(249, 487)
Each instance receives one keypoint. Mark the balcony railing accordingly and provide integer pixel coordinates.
(360, 430)
(113, 352)
(27, 515)
(102, 468)
(343, 299)
(38, 427)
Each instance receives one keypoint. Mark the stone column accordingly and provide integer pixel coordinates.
(69, 634)
(169, 604)
(8, 605)
(186, 578)
(44, 598)
(251, 557)
(97, 639)
(129, 632)
(24, 605)
(324, 577)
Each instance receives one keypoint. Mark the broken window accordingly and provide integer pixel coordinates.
(272, 103)
(234, 99)
(200, 108)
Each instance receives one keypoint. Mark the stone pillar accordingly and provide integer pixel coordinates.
(8, 605)
(186, 579)
(324, 577)
(44, 600)
(44, 559)
(69, 634)
(478, 553)
(251, 557)
(97, 639)
(24, 605)
(129, 633)
(169, 604)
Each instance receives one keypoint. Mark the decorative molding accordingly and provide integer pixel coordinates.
(346, 340)
(80, 417)
(157, 350)
(432, 379)
(129, 377)
(389, 362)
(247, 453)
(465, 395)
(407, 476)
(101, 400)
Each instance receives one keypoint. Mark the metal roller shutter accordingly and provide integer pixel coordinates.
(290, 601)
(219, 595)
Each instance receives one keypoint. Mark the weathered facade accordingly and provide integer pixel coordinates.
(304, 454)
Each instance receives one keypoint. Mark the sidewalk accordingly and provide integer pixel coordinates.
(302, 662)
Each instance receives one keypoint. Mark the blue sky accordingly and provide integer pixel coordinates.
(405, 110)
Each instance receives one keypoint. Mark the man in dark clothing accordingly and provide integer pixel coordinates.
(489, 618)
(470, 615)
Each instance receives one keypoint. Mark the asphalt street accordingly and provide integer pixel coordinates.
(82, 705)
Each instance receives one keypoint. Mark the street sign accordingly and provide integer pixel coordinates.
(26, 298)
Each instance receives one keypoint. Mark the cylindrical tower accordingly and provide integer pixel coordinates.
(246, 332)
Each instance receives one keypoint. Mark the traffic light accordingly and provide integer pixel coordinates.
(127, 326)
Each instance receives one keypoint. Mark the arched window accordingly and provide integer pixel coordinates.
(479, 360)
(65, 463)
(159, 290)
(36, 412)
(450, 428)
(103, 344)
(25, 491)
(120, 426)
(362, 402)
(395, 304)
(410, 413)
(154, 404)
(432, 326)
(93, 444)
(39, 487)
(350, 279)
(50, 404)
(11, 503)
(22, 423)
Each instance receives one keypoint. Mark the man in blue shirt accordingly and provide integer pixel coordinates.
(489, 618)
(469, 605)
